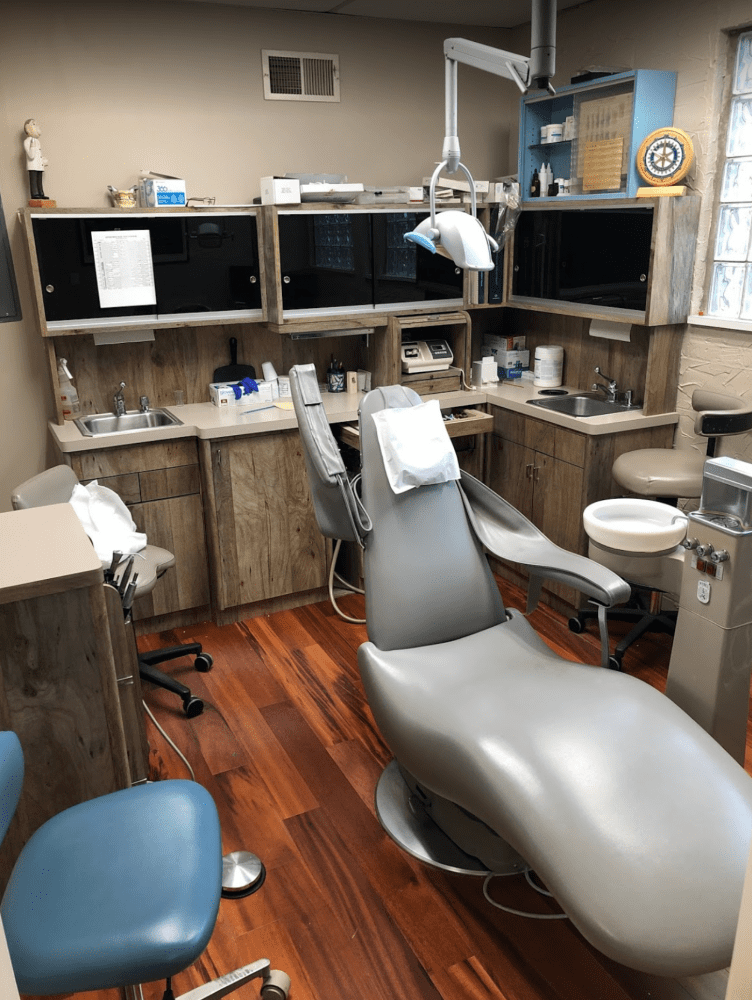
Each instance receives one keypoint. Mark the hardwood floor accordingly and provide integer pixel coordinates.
(289, 750)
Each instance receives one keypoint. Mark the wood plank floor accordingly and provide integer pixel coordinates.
(290, 752)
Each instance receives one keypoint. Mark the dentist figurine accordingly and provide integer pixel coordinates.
(35, 162)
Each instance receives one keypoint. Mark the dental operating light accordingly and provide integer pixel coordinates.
(452, 233)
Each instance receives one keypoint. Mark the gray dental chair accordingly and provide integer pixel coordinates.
(508, 757)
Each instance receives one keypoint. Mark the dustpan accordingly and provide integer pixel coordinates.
(233, 372)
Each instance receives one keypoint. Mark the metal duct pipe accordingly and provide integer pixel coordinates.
(543, 43)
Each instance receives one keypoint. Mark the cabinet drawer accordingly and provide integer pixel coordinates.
(159, 484)
(135, 458)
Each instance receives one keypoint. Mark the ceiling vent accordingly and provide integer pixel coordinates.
(300, 76)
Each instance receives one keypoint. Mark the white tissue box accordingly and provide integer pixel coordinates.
(280, 191)
(160, 191)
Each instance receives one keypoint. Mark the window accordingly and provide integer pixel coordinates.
(730, 294)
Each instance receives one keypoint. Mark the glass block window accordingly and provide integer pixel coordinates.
(333, 242)
(731, 277)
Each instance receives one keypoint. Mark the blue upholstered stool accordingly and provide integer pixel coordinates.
(120, 890)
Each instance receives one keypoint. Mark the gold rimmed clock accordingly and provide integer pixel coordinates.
(665, 157)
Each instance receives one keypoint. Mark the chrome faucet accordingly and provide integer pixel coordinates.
(144, 403)
(118, 401)
(610, 390)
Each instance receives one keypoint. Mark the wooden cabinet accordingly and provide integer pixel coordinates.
(69, 684)
(629, 261)
(551, 474)
(264, 542)
(327, 262)
(161, 485)
(206, 267)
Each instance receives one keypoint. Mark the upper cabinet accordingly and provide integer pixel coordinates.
(609, 118)
(324, 262)
(206, 268)
(629, 261)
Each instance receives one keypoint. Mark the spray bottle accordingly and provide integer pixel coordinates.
(68, 394)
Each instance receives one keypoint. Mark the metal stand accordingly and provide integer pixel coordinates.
(242, 874)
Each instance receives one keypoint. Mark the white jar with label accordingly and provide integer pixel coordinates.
(548, 366)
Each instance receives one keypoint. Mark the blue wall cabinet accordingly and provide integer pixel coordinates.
(609, 118)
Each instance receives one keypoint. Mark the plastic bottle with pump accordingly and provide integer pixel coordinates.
(68, 394)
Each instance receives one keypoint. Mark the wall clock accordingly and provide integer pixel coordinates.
(665, 157)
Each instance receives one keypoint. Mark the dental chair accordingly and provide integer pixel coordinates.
(95, 900)
(508, 757)
(56, 486)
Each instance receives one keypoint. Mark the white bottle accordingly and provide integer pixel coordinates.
(68, 394)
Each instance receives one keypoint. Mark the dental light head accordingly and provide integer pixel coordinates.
(456, 234)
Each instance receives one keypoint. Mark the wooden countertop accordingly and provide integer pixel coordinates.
(208, 422)
(45, 551)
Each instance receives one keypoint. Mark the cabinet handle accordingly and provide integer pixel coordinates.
(529, 471)
(536, 472)
(286, 279)
(254, 279)
(49, 288)
(125, 680)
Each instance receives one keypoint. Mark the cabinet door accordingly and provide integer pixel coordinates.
(266, 541)
(402, 272)
(206, 263)
(510, 473)
(325, 260)
(67, 272)
(557, 494)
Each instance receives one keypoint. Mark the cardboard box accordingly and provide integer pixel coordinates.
(222, 394)
(157, 191)
(510, 359)
(497, 343)
(280, 191)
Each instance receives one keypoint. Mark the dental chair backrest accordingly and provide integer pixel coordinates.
(339, 513)
(427, 578)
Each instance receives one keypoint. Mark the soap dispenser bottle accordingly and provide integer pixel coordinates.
(535, 185)
(68, 394)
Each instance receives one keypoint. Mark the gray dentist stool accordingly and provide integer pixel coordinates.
(636, 820)
(56, 485)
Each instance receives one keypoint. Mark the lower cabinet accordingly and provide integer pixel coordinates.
(263, 538)
(550, 474)
(161, 485)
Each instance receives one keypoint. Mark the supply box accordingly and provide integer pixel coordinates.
(280, 191)
(222, 394)
(159, 190)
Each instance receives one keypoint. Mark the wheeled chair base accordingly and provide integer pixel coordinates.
(148, 671)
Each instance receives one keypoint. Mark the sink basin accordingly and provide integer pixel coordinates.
(581, 404)
(133, 420)
(633, 525)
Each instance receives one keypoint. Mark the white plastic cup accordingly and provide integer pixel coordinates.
(548, 366)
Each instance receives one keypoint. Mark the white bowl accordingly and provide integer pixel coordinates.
(632, 525)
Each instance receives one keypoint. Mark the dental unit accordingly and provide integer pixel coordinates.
(453, 233)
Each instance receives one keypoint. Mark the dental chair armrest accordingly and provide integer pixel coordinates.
(509, 535)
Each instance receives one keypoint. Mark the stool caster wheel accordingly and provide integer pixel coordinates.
(576, 625)
(193, 707)
(614, 663)
(203, 662)
(276, 986)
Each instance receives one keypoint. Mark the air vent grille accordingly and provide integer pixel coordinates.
(300, 76)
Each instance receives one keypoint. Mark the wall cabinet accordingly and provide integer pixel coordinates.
(206, 268)
(264, 542)
(322, 262)
(551, 474)
(612, 115)
(161, 485)
(626, 261)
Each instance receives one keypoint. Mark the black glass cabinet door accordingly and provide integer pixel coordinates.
(402, 271)
(325, 260)
(598, 257)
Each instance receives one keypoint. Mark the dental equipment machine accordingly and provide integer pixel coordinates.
(453, 233)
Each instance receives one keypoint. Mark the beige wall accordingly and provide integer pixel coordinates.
(653, 34)
(182, 93)
(177, 87)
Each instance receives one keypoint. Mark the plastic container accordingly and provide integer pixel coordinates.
(548, 366)
(68, 394)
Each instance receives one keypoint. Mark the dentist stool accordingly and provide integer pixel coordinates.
(56, 486)
(95, 900)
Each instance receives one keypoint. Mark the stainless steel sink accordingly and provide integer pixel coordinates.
(582, 404)
(133, 420)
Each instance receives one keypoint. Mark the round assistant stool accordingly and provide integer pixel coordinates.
(641, 541)
(670, 473)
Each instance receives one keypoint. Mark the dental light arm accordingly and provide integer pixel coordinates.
(455, 234)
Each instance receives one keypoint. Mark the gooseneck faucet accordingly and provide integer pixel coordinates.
(118, 401)
(610, 390)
